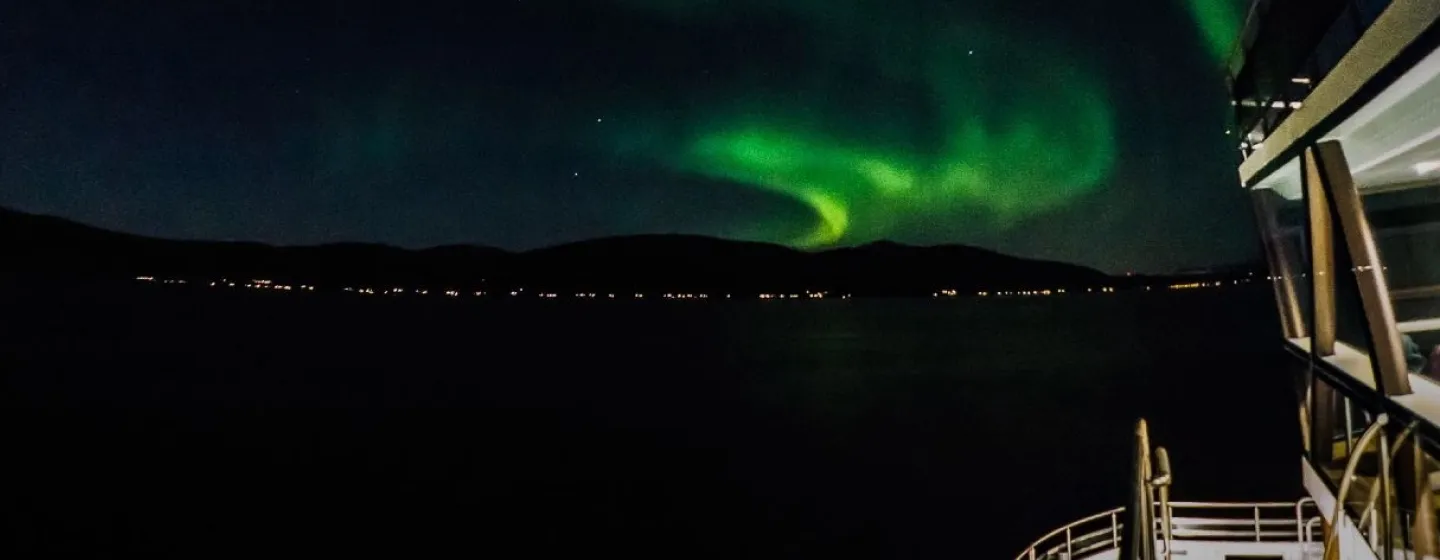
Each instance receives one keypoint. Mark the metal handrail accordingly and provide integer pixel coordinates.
(1162, 482)
(1071, 537)
(1376, 429)
(1067, 531)
(1139, 541)
(1375, 489)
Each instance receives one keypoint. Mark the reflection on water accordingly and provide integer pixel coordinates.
(181, 426)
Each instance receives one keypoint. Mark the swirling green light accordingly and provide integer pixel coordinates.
(810, 171)
(1013, 128)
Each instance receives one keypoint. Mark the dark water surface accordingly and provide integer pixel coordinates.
(165, 424)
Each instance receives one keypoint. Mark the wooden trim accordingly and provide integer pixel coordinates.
(1322, 258)
(1388, 354)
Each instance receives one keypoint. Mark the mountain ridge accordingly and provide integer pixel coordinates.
(52, 246)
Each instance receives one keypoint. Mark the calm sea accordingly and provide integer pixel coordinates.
(166, 424)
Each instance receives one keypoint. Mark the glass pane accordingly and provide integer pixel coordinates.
(1351, 327)
(1406, 224)
(1280, 208)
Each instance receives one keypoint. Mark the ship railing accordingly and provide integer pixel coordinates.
(1189, 521)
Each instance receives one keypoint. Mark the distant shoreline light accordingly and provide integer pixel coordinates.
(521, 292)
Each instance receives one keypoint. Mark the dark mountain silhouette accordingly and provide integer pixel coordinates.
(48, 247)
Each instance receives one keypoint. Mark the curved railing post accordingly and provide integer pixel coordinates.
(1395, 448)
(1162, 481)
(1332, 533)
(1387, 545)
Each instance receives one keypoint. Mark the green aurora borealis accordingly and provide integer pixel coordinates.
(1012, 128)
(1078, 130)
(1219, 24)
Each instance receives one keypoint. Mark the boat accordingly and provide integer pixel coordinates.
(1337, 129)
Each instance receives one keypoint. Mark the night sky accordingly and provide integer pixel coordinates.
(1090, 131)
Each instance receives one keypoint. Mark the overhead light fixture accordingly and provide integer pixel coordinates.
(1427, 167)
(1305, 81)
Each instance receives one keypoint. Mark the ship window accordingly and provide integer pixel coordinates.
(1405, 221)
(1342, 421)
(1282, 223)
(1351, 327)
(1392, 145)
